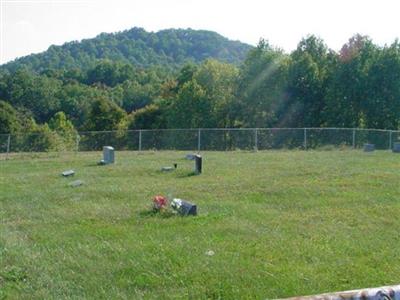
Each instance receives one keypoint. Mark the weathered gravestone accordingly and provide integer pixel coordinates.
(76, 183)
(108, 155)
(198, 164)
(369, 147)
(396, 148)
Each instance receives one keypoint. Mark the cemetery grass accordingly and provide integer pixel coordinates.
(280, 224)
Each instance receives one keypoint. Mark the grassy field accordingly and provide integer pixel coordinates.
(281, 223)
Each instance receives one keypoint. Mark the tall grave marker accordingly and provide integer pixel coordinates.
(108, 155)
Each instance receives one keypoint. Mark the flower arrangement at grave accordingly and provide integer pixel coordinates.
(160, 203)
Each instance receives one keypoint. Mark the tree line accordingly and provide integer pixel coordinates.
(313, 86)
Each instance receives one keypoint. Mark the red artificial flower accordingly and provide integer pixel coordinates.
(159, 202)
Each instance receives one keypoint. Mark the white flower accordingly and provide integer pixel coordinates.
(210, 253)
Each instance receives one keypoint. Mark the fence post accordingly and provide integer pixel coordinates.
(354, 138)
(140, 140)
(305, 139)
(198, 140)
(390, 140)
(256, 139)
(8, 145)
(77, 143)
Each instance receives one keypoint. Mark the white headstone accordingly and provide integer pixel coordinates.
(108, 155)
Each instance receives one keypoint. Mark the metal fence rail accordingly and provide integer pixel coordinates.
(203, 139)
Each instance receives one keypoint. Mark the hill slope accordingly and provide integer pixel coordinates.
(167, 47)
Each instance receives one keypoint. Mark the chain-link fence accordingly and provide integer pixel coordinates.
(209, 139)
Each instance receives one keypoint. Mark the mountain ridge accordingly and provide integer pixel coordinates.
(168, 47)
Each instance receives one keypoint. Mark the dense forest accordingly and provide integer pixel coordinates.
(168, 48)
(200, 83)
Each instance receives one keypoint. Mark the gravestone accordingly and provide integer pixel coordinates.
(76, 183)
(167, 169)
(68, 173)
(369, 147)
(198, 164)
(183, 207)
(396, 148)
(190, 156)
(108, 155)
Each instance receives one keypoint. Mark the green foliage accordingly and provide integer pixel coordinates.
(149, 117)
(202, 96)
(135, 95)
(65, 130)
(171, 48)
(350, 86)
(76, 100)
(307, 76)
(185, 75)
(218, 81)
(104, 115)
(114, 75)
(109, 73)
(261, 89)
(9, 119)
(40, 139)
(191, 109)
(383, 103)
(36, 93)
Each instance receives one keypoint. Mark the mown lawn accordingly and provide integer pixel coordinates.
(281, 223)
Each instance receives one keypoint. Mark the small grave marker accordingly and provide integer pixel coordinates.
(369, 147)
(167, 169)
(396, 148)
(76, 183)
(68, 173)
(190, 156)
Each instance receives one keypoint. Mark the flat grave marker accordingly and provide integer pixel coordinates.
(369, 147)
(68, 173)
(190, 156)
(76, 183)
(167, 169)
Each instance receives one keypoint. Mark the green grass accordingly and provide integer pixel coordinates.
(281, 223)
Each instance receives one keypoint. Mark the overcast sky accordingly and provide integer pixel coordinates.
(32, 26)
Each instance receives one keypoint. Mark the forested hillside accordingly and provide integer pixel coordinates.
(314, 86)
(168, 48)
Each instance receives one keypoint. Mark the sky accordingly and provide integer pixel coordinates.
(31, 26)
